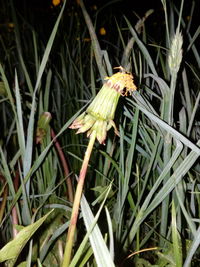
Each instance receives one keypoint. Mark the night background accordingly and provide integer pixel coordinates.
(99, 99)
(42, 14)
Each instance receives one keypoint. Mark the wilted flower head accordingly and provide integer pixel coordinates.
(175, 53)
(42, 126)
(100, 113)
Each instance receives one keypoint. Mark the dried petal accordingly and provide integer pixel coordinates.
(78, 122)
(88, 122)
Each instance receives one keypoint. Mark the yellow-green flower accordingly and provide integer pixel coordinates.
(100, 113)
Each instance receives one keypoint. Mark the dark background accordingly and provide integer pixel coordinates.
(42, 14)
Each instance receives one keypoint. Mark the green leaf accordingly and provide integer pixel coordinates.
(22, 264)
(12, 249)
(176, 239)
(102, 255)
(194, 246)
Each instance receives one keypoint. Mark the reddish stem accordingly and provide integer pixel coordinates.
(76, 204)
(65, 166)
(15, 220)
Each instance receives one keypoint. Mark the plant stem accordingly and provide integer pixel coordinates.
(77, 198)
(15, 219)
(65, 166)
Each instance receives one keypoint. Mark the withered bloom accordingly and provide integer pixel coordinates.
(100, 113)
(42, 127)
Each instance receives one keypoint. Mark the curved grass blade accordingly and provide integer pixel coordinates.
(12, 249)
(102, 255)
(29, 143)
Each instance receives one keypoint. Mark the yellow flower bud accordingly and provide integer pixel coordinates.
(102, 31)
(56, 2)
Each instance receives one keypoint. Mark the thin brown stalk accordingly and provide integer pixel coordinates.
(4, 195)
(15, 220)
(76, 205)
(65, 166)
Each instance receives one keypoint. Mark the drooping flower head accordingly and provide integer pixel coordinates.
(100, 113)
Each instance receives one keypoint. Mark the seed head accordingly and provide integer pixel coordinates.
(100, 113)
(175, 53)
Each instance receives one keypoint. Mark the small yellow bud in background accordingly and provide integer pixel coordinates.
(11, 25)
(94, 7)
(56, 2)
(102, 31)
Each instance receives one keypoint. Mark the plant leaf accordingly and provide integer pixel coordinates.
(12, 249)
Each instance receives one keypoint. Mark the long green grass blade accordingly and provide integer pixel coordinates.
(193, 248)
(100, 250)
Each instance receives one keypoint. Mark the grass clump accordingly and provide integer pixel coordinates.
(140, 200)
